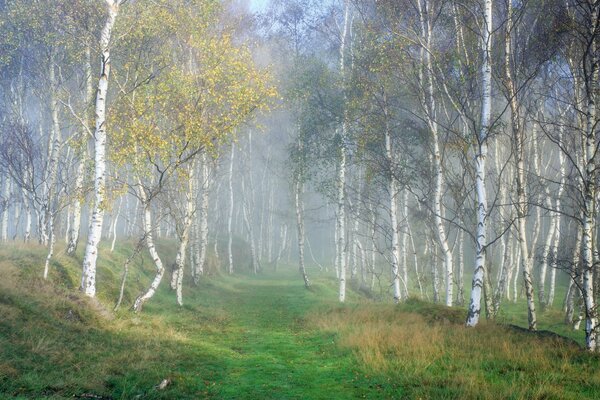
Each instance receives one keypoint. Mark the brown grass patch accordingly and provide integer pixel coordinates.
(383, 338)
(441, 356)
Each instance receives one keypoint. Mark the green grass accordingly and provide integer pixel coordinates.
(260, 337)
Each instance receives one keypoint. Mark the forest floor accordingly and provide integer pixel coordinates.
(260, 337)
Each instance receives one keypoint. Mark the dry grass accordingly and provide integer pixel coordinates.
(440, 358)
(384, 339)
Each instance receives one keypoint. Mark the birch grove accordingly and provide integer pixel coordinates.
(401, 149)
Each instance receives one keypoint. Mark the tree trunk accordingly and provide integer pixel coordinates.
(431, 116)
(341, 173)
(481, 243)
(149, 236)
(51, 241)
(574, 287)
(230, 216)
(299, 203)
(27, 205)
(203, 225)
(115, 223)
(460, 296)
(393, 193)
(88, 279)
(5, 206)
(80, 174)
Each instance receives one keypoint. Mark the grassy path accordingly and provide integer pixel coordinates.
(277, 356)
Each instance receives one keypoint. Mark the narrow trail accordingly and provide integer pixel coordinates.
(275, 347)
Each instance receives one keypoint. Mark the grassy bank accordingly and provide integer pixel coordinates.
(255, 337)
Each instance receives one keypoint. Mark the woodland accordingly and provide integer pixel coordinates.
(299, 199)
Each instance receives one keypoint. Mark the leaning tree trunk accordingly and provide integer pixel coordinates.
(113, 226)
(88, 279)
(149, 238)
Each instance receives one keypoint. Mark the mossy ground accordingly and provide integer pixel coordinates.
(262, 337)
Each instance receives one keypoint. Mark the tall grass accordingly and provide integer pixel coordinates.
(428, 350)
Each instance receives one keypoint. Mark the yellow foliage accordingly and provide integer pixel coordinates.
(188, 85)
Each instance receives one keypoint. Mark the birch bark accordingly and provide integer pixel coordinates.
(149, 237)
(80, 174)
(431, 115)
(230, 216)
(88, 279)
(5, 206)
(393, 193)
(203, 225)
(341, 178)
(474, 310)
(299, 203)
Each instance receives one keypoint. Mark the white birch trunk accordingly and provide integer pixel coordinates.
(460, 296)
(68, 223)
(28, 219)
(341, 178)
(115, 223)
(589, 225)
(6, 203)
(546, 252)
(412, 246)
(404, 249)
(54, 146)
(481, 243)
(574, 287)
(517, 269)
(299, 203)
(354, 241)
(433, 257)
(230, 216)
(270, 225)
(393, 193)
(557, 232)
(51, 241)
(149, 236)
(519, 146)
(203, 225)
(73, 235)
(88, 279)
(431, 115)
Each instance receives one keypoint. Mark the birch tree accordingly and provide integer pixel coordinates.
(88, 278)
(474, 310)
